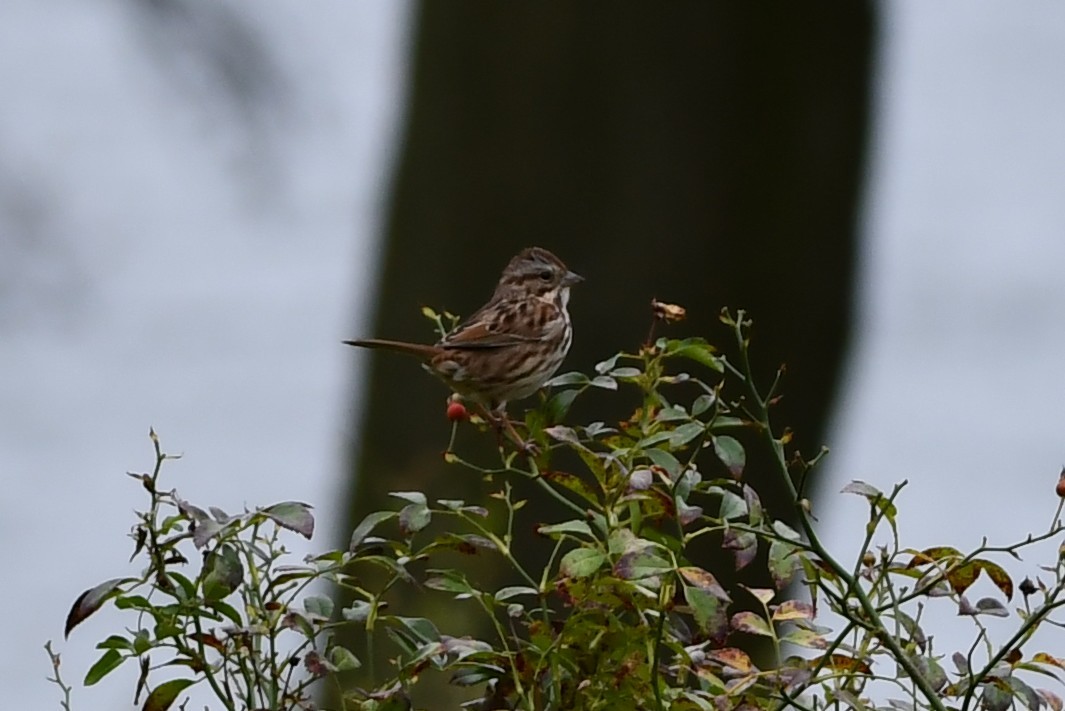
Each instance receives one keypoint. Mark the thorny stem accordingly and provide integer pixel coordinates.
(56, 678)
(535, 475)
(1015, 642)
(759, 409)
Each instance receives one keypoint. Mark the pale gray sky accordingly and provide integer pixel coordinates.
(156, 287)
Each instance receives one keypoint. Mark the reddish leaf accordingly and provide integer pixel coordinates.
(730, 452)
(1044, 658)
(998, 576)
(751, 623)
(734, 658)
(1051, 699)
(793, 610)
(571, 482)
(783, 562)
(708, 612)
(843, 663)
(92, 600)
(745, 545)
(934, 555)
(580, 562)
(294, 516)
(704, 580)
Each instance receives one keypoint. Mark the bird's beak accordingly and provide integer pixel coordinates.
(571, 278)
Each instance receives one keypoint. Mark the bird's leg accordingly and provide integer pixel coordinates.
(498, 417)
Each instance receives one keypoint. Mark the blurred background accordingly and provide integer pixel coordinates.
(199, 201)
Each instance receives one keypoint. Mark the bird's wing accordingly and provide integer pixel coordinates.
(497, 325)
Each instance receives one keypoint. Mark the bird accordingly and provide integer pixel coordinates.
(509, 347)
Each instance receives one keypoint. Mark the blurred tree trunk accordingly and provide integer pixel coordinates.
(705, 153)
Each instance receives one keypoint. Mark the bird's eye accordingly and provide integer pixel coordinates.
(545, 275)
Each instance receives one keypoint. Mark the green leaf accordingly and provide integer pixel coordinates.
(640, 564)
(358, 612)
(450, 581)
(414, 517)
(997, 696)
(656, 438)
(673, 413)
(415, 497)
(581, 562)
(92, 600)
(187, 588)
(702, 404)
(783, 562)
(421, 629)
(224, 573)
(116, 642)
(464, 543)
(665, 460)
(862, 489)
(142, 642)
(368, 523)
(933, 672)
(913, 629)
(696, 349)
(606, 365)
(228, 611)
(732, 506)
(755, 512)
(562, 433)
(133, 602)
(605, 382)
(626, 373)
(1029, 696)
(477, 674)
(106, 664)
(575, 526)
(686, 433)
(164, 695)
(730, 452)
(319, 606)
(785, 531)
(708, 612)
(514, 591)
(343, 660)
(294, 516)
(559, 405)
(570, 378)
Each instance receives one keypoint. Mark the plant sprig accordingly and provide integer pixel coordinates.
(621, 615)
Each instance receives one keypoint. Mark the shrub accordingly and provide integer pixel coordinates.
(620, 617)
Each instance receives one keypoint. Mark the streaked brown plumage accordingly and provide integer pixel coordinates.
(513, 344)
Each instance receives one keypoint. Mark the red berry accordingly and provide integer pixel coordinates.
(456, 412)
(1060, 488)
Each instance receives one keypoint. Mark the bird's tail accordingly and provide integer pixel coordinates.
(418, 350)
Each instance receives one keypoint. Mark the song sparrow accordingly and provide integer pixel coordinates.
(513, 344)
